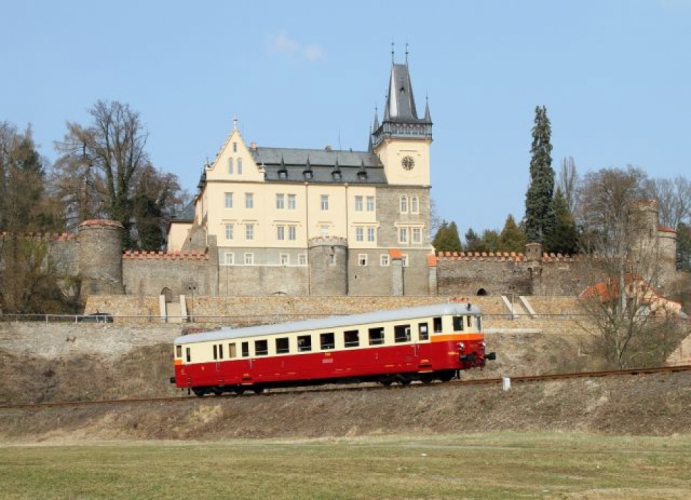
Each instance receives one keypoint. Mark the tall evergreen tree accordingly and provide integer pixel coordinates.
(564, 238)
(447, 239)
(539, 209)
(473, 242)
(512, 237)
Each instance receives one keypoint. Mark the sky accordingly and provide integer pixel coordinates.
(614, 75)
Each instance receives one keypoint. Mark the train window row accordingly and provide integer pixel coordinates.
(372, 336)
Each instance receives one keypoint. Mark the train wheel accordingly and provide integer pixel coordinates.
(258, 390)
(405, 381)
(239, 391)
(446, 376)
(217, 391)
(386, 382)
(426, 379)
(199, 391)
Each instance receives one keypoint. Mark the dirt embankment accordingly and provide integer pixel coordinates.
(656, 405)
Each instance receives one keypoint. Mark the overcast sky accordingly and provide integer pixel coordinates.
(615, 76)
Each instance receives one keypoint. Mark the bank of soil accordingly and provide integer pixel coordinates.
(79, 370)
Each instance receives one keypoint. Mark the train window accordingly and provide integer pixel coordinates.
(401, 333)
(220, 351)
(305, 343)
(178, 351)
(376, 336)
(282, 346)
(469, 321)
(437, 325)
(478, 322)
(215, 352)
(245, 349)
(458, 323)
(261, 347)
(231, 351)
(351, 338)
(189, 356)
(327, 341)
(423, 331)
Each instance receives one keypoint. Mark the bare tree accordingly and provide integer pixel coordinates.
(630, 323)
(567, 181)
(674, 199)
(108, 154)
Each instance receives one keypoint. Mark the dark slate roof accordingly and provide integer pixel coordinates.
(186, 214)
(400, 104)
(322, 163)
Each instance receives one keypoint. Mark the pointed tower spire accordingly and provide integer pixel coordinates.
(375, 126)
(428, 116)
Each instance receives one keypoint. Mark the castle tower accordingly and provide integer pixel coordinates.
(328, 262)
(643, 246)
(402, 141)
(100, 257)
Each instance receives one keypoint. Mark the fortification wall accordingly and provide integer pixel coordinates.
(284, 308)
(483, 273)
(148, 273)
(243, 281)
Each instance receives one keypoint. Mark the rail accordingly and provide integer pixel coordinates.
(486, 381)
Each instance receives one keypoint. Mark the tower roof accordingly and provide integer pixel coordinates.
(400, 102)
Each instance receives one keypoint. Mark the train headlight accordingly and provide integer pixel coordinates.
(461, 346)
(483, 345)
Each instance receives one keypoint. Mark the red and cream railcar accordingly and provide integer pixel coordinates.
(416, 343)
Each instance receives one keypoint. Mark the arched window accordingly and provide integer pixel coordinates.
(230, 166)
(404, 204)
(414, 205)
(239, 166)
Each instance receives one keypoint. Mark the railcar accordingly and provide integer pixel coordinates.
(425, 343)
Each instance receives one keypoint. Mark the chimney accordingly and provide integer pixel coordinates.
(253, 146)
(328, 147)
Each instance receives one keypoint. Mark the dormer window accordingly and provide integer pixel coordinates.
(282, 174)
(337, 175)
(362, 175)
(308, 174)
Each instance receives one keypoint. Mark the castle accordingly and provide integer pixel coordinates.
(323, 222)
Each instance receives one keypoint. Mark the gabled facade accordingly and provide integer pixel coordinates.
(321, 221)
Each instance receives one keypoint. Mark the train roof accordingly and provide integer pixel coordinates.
(332, 322)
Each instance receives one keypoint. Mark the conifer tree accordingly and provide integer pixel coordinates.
(447, 239)
(473, 243)
(539, 210)
(512, 237)
(564, 238)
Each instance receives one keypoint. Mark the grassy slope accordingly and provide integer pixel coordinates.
(497, 466)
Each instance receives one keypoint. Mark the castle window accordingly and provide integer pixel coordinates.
(239, 166)
(302, 259)
(249, 232)
(280, 233)
(285, 259)
(371, 234)
(337, 175)
(370, 203)
(230, 165)
(249, 259)
(384, 260)
(325, 202)
(235, 147)
(282, 174)
(403, 235)
(229, 200)
(414, 205)
(404, 260)
(291, 202)
(358, 203)
(292, 233)
(280, 201)
(359, 234)
(417, 235)
(249, 200)
(362, 260)
(228, 258)
(230, 231)
(403, 203)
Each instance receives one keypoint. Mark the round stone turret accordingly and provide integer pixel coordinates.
(100, 257)
(533, 251)
(328, 261)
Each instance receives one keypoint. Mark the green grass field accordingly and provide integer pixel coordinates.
(492, 466)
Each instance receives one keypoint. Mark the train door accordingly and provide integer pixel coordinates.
(218, 364)
(422, 346)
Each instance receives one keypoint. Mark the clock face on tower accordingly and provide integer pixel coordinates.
(408, 163)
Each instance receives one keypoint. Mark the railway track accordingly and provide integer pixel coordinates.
(359, 388)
